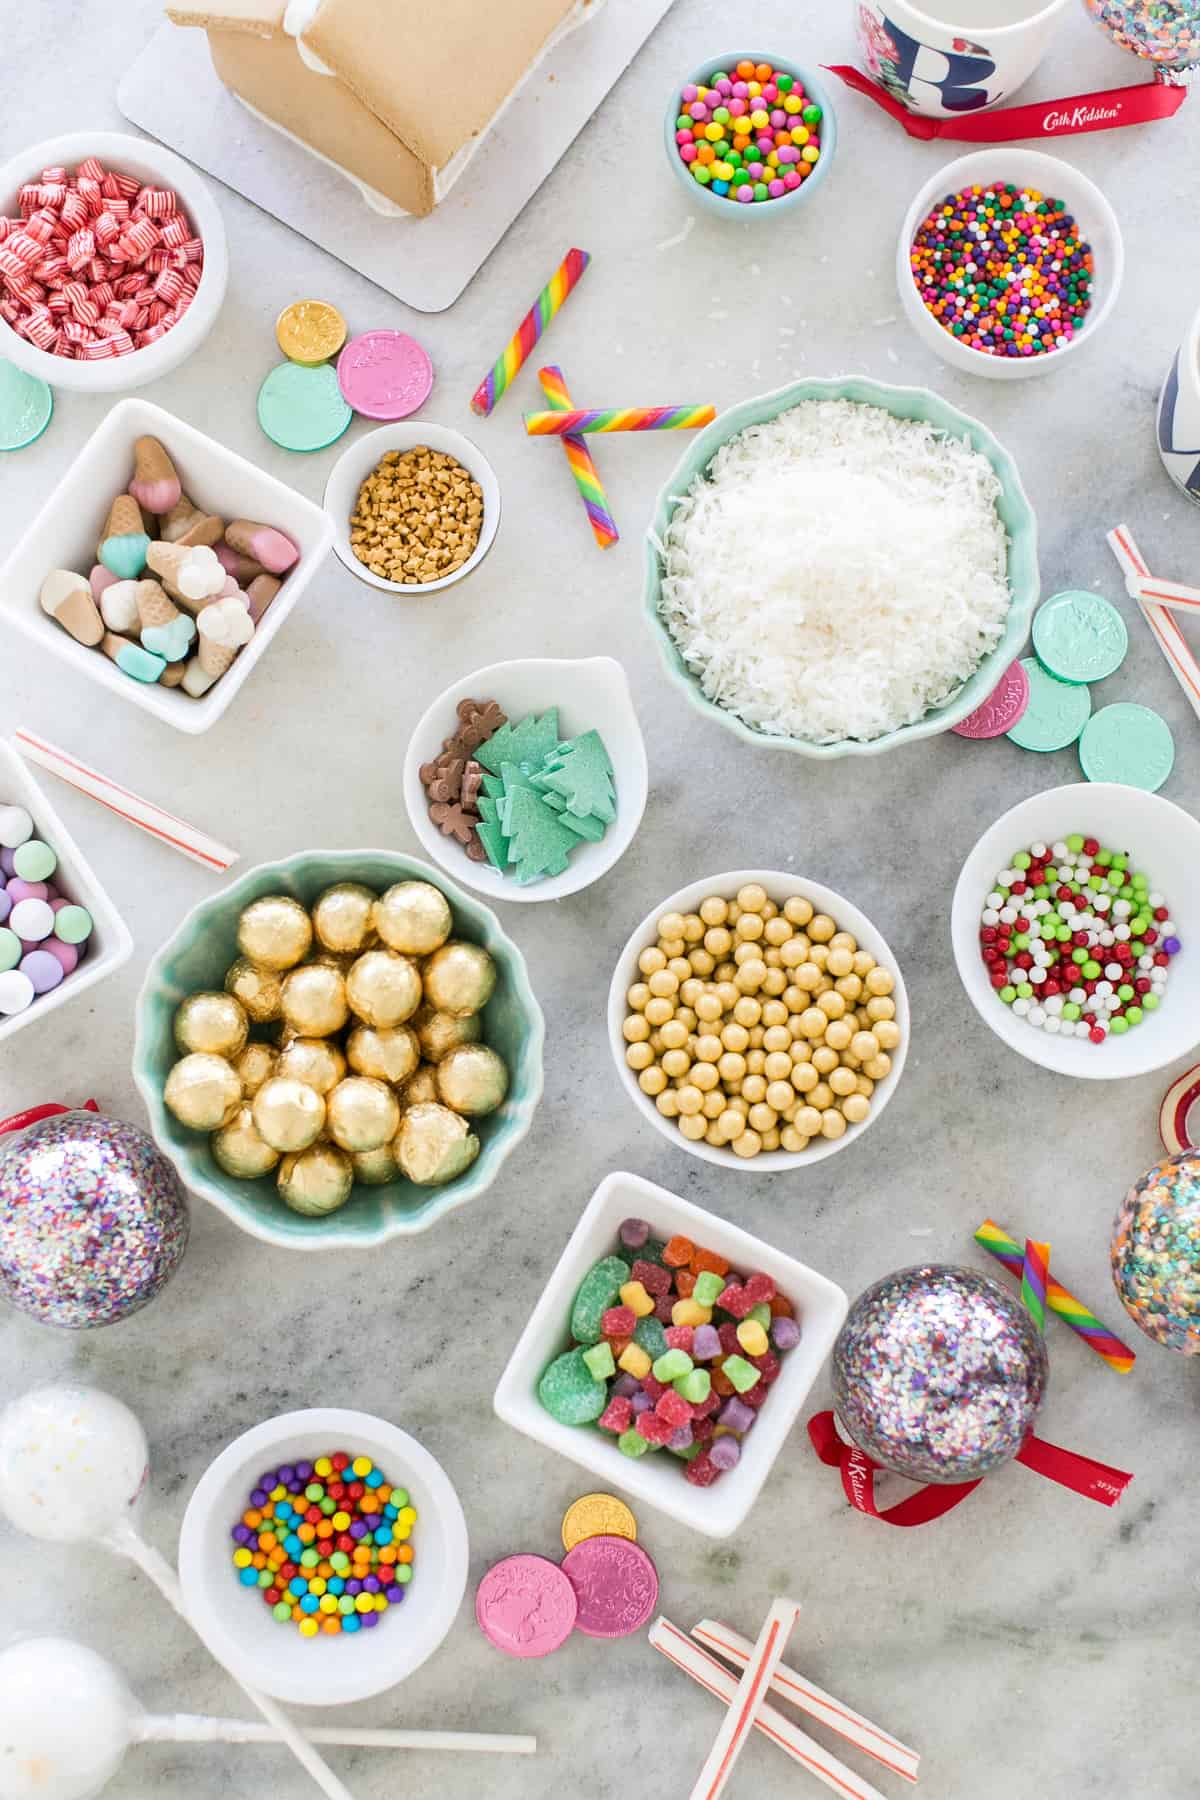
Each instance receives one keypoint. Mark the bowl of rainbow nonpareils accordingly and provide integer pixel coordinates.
(748, 134)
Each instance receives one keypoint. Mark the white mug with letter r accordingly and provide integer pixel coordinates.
(1179, 415)
(949, 57)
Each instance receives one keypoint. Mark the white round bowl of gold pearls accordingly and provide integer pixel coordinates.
(758, 1020)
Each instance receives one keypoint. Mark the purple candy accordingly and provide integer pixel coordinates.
(242, 1534)
(5, 906)
(624, 1387)
(6, 862)
(395, 1592)
(1172, 946)
(358, 1529)
(258, 1497)
(642, 1403)
(287, 1474)
(373, 1585)
(681, 1439)
(304, 1471)
(725, 1452)
(27, 890)
(634, 1233)
(689, 94)
(368, 1621)
(736, 1417)
(785, 1333)
(705, 1343)
(268, 1479)
(66, 954)
(354, 1587)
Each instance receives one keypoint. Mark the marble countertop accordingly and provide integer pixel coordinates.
(1028, 1643)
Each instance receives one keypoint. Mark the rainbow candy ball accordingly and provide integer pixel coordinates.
(749, 136)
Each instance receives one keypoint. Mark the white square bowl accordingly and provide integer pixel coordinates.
(658, 1480)
(110, 944)
(64, 534)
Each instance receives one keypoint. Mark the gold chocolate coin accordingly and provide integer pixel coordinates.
(597, 1515)
(310, 331)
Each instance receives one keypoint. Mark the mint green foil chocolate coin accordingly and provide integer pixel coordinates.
(25, 407)
(1079, 636)
(301, 408)
(1129, 744)
(1056, 714)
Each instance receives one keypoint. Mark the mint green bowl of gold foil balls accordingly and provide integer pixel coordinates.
(195, 960)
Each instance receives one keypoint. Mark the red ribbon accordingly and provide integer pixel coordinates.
(34, 1114)
(1094, 1480)
(1105, 111)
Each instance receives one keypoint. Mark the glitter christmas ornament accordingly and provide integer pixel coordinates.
(1156, 1253)
(938, 1374)
(93, 1220)
(1164, 32)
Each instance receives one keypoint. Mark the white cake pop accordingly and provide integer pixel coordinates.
(66, 1721)
(73, 1461)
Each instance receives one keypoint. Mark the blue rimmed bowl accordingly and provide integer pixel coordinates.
(718, 206)
(197, 956)
(905, 403)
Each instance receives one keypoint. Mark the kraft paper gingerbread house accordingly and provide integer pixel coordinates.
(397, 94)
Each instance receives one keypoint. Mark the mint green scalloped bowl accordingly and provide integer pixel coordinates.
(197, 957)
(906, 403)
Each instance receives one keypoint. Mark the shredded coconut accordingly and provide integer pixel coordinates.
(837, 572)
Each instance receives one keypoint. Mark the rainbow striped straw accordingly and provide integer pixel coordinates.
(996, 1241)
(619, 418)
(529, 331)
(1034, 1275)
(587, 476)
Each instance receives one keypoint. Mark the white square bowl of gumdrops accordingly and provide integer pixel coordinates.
(714, 1340)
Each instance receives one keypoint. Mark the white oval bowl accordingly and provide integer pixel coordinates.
(591, 694)
(356, 463)
(150, 163)
(779, 886)
(1165, 841)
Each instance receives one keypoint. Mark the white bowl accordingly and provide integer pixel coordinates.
(110, 944)
(592, 694)
(356, 463)
(779, 886)
(1031, 168)
(151, 163)
(234, 1621)
(659, 1480)
(1165, 842)
(64, 533)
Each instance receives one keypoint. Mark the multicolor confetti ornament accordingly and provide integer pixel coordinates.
(1034, 1274)
(1155, 1253)
(579, 457)
(93, 1218)
(520, 345)
(998, 1243)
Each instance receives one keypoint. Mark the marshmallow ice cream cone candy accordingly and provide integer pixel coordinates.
(224, 626)
(191, 573)
(123, 542)
(119, 606)
(131, 659)
(275, 551)
(155, 485)
(184, 523)
(259, 595)
(165, 631)
(241, 568)
(195, 680)
(67, 599)
(172, 675)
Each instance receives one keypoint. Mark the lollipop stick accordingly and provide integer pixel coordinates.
(126, 1542)
(193, 1728)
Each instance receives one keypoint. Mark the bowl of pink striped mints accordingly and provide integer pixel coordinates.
(113, 262)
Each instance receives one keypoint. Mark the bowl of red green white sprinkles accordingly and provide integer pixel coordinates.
(1076, 930)
(1007, 261)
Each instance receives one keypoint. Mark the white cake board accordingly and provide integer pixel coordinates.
(172, 92)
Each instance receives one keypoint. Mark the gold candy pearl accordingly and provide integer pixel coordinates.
(390, 1055)
(472, 1079)
(434, 1145)
(413, 917)
(203, 1092)
(383, 989)
(376, 1168)
(255, 1065)
(342, 917)
(288, 1113)
(241, 1150)
(211, 1024)
(314, 1000)
(274, 932)
(257, 990)
(313, 1061)
(438, 1033)
(362, 1114)
(316, 1181)
(422, 1088)
(460, 978)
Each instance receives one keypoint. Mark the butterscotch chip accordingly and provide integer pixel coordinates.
(417, 517)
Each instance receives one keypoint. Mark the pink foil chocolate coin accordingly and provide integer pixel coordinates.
(616, 1586)
(525, 1606)
(384, 374)
(1002, 708)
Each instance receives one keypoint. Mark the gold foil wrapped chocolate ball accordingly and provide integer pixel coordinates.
(420, 1086)
(212, 1025)
(459, 978)
(472, 1079)
(316, 1181)
(342, 917)
(241, 1150)
(275, 932)
(258, 990)
(390, 1055)
(255, 1065)
(439, 1032)
(383, 989)
(413, 917)
(376, 1168)
(314, 1000)
(316, 1062)
(362, 1114)
(203, 1092)
(288, 1113)
(434, 1145)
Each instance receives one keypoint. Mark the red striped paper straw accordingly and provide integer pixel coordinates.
(750, 1692)
(806, 1695)
(1171, 640)
(715, 1678)
(1177, 1104)
(1175, 594)
(125, 803)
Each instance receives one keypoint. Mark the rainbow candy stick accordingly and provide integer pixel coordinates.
(529, 331)
(587, 476)
(996, 1241)
(1034, 1275)
(619, 418)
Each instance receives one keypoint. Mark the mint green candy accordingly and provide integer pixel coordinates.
(672, 1365)
(141, 665)
(1056, 714)
(581, 772)
(742, 1374)
(569, 1391)
(1127, 744)
(302, 408)
(762, 1314)
(707, 1288)
(599, 1289)
(125, 555)
(529, 743)
(695, 1386)
(537, 843)
(11, 951)
(1079, 636)
(632, 1443)
(599, 1360)
(651, 1336)
(34, 861)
